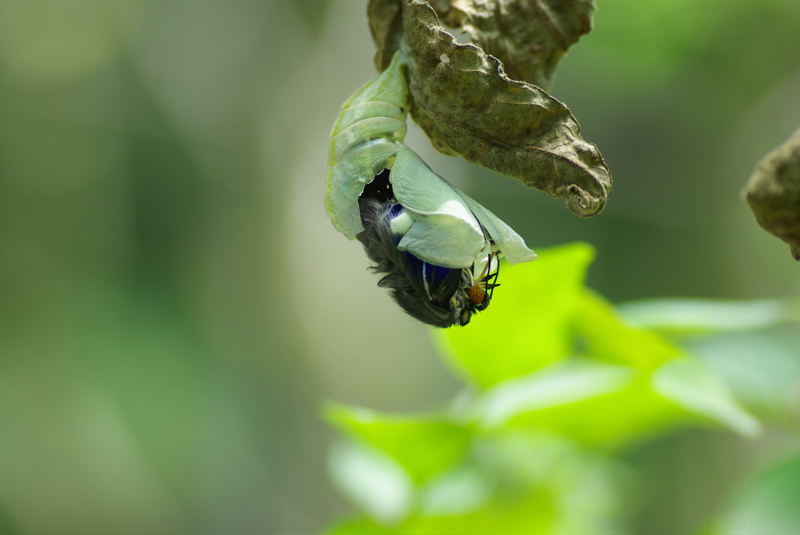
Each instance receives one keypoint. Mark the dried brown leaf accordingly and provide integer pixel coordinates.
(468, 106)
(528, 37)
(773, 193)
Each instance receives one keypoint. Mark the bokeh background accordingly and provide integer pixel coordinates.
(175, 306)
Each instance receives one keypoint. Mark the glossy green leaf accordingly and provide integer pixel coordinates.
(538, 483)
(600, 405)
(610, 406)
(682, 317)
(422, 445)
(761, 367)
(373, 481)
(529, 323)
(457, 491)
(608, 337)
(559, 385)
(530, 513)
(698, 390)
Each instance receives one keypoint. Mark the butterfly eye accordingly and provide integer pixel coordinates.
(480, 293)
(476, 293)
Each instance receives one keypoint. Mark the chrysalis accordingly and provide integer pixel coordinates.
(438, 248)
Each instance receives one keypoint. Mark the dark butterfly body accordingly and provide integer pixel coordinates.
(435, 295)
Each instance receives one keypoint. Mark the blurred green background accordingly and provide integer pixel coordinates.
(175, 306)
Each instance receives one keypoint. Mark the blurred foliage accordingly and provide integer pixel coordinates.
(536, 443)
(174, 302)
(767, 504)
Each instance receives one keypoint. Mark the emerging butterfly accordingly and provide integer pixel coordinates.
(438, 248)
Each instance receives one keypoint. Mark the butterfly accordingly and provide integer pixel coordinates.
(438, 249)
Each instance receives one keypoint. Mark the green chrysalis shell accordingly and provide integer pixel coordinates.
(447, 227)
(365, 140)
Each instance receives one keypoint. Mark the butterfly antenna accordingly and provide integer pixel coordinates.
(490, 280)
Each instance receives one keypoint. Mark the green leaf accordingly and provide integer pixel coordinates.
(599, 405)
(682, 317)
(608, 337)
(699, 391)
(373, 481)
(423, 445)
(533, 513)
(606, 406)
(761, 368)
(523, 482)
(529, 323)
(455, 492)
(558, 385)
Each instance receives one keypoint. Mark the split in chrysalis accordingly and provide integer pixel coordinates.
(438, 248)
